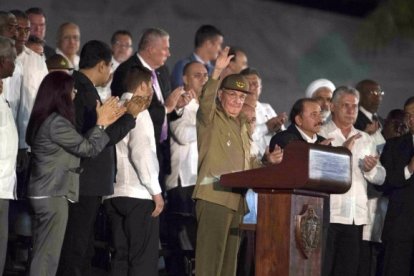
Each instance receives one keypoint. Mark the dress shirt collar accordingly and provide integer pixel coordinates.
(115, 64)
(305, 137)
(366, 112)
(198, 58)
(331, 127)
(144, 63)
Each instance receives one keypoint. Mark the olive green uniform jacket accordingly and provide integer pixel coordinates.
(223, 147)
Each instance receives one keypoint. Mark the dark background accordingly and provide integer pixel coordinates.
(291, 43)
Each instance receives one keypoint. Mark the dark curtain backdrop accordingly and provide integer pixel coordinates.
(289, 45)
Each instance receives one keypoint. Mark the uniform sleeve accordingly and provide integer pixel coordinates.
(207, 107)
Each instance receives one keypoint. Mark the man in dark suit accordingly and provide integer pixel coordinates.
(306, 121)
(153, 51)
(398, 233)
(97, 175)
(208, 40)
(368, 121)
(371, 97)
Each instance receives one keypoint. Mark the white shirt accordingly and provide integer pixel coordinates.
(34, 70)
(261, 135)
(8, 151)
(352, 207)
(157, 87)
(184, 153)
(137, 163)
(310, 140)
(105, 92)
(12, 87)
(379, 140)
(76, 59)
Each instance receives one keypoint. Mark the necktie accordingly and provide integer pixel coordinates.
(375, 119)
(157, 89)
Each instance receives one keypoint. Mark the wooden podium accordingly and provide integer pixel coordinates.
(290, 206)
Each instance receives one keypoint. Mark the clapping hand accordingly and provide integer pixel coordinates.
(349, 144)
(369, 162)
(109, 112)
(185, 98)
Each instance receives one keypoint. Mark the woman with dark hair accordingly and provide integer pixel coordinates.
(56, 148)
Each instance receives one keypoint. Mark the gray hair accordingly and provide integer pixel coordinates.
(4, 20)
(6, 47)
(342, 90)
(62, 28)
(149, 36)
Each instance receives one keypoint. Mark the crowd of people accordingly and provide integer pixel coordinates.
(104, 130)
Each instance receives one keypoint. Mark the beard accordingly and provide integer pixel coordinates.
(325, 115)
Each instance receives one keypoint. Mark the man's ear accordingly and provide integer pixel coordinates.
(332, 106)
(101, 65)
(185, 80)
(298, 120)
(219, 94)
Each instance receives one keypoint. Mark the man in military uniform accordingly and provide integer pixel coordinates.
(224, 147)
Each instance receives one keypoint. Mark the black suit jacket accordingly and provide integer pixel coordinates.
(98, 175)
(399, 221)
(156, 108)
(285, 137)
(362, 121)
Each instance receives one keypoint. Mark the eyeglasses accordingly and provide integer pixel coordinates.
(377, 93)
(233, 95)
(25, 30)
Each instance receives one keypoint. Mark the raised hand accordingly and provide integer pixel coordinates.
(185, 98)
(275, 123)
(221, 62)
